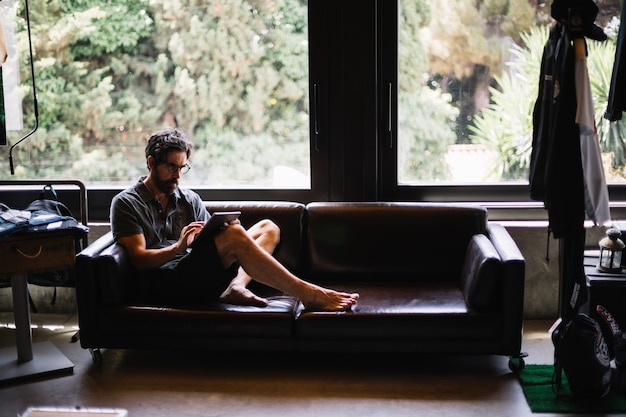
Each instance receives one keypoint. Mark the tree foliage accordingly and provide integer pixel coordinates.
(109, 73)
(234, 75)
(506, 125)
(425, 118)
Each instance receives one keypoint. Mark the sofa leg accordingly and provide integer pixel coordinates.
(96, 356)
(517, 363)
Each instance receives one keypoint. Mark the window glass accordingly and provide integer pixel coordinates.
(467, 83)
(233, 74)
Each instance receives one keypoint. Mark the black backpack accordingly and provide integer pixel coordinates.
(582, 353)
(46, 209)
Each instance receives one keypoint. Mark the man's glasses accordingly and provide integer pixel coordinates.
(172, 168)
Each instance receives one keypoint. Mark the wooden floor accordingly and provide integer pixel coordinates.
(185, 384)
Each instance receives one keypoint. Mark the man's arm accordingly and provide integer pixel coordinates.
(144, 258)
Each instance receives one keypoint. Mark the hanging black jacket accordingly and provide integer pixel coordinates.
(556, 174)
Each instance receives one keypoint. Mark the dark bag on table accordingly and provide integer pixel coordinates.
(12, 221)
(50, 205)
(48, 213)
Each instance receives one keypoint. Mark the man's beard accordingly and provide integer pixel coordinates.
(168, 186)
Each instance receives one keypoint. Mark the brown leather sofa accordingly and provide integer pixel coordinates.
(432, 278)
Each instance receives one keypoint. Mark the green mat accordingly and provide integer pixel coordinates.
(536, 382)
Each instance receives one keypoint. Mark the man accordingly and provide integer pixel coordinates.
(156, 222)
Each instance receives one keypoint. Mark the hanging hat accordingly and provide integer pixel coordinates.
(579, 17)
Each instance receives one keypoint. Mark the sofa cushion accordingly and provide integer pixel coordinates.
(480, 272)
(400, 317)
(382, 242)
(214, 320)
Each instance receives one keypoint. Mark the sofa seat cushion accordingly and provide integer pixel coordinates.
(403, 311)
(215, 320)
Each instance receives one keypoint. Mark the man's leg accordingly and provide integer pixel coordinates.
(267, 235)
(234, 244)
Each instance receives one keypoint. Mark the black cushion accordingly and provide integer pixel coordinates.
(480, 272)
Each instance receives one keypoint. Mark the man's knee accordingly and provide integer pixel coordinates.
(270, 229)
(230, 241)
(234, 234)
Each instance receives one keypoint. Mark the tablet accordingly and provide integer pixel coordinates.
(216, 221)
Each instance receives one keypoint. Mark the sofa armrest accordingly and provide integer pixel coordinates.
(87, 270)
(115, 275)
(104, 272)
(95, 248)
(504, 243)
(87, 291)
(513, 270)
(480, 278)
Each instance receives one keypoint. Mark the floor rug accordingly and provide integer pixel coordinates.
(536, 382)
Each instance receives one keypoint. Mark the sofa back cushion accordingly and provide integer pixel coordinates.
(287, 215)
(390, 241)
(480, 273)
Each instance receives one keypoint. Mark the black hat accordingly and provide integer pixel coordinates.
(579, 17)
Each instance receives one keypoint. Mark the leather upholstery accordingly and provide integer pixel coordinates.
(406, 260)
(480, 272)
(397, 241)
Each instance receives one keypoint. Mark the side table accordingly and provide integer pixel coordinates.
(606, 289)
(22, 254)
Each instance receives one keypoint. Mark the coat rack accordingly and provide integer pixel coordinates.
(566, 159)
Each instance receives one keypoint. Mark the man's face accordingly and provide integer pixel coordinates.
(167, 173)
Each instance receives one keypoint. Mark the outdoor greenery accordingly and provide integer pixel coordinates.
(234, 74)
(506, 125)
(493, 95)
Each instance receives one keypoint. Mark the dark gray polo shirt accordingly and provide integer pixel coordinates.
(137, 211)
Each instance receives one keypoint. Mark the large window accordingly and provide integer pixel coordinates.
(468, 74)
(359, 100)
(233, 74)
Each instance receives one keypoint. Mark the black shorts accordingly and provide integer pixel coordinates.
(197, 277)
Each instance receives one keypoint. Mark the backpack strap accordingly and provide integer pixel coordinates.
(48, 188)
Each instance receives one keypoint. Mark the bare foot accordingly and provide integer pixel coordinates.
(242, 296)
(323, 299)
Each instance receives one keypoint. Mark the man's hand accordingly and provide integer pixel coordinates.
(188, 235)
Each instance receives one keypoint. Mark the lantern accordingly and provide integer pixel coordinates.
(611, 247)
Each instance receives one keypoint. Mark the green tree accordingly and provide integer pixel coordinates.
(425, 115)
(73, 85)
(238, 74)
(108, 73)
(464, 45)
(424, 120)
(611, 135)
(506, 125)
